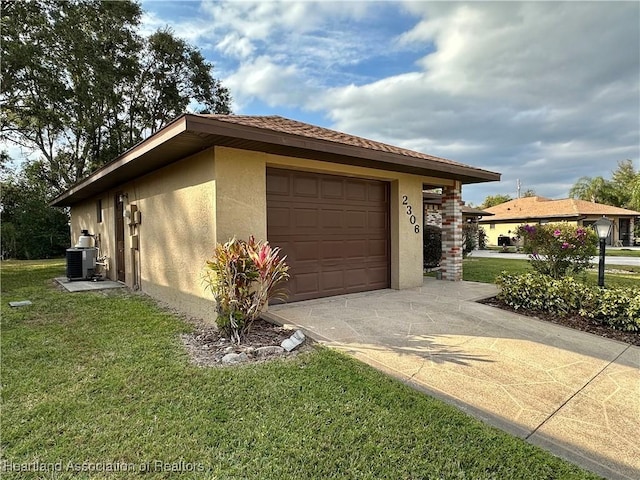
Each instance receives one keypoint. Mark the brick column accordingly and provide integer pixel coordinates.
(451, 263)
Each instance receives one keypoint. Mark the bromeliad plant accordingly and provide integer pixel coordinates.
(558, 249)
(243, 276)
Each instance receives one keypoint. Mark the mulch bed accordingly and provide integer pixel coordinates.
(207, 348)
(572, 321)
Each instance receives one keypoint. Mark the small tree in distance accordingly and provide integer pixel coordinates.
(493, 200)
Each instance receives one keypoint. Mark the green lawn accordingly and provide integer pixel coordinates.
(102, 378)
(487, 269)
(622, 252)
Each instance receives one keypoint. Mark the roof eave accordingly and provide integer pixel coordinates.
(300, 146)
(212, 132)
(169, 131)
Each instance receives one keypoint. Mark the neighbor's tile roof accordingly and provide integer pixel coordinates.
(541, 207)
(293, 127)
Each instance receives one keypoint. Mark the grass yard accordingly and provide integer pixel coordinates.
(100, 381)
(623, 252)
(487, 269)
(609, 252)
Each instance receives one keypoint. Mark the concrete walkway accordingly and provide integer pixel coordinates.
(572, 393)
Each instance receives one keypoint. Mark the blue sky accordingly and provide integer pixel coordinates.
(544, 92)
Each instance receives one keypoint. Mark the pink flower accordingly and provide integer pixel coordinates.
(557, 233)
(565, 245)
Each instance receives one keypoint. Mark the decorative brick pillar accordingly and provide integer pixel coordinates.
(451, 263)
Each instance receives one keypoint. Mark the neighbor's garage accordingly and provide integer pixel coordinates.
(334, 231)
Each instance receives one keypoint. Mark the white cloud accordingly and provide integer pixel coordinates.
(262, 78)
(511, 87)
(541, 91)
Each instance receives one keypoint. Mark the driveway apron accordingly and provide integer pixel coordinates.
(572, 393)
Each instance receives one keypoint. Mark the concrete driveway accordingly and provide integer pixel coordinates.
(572, 393)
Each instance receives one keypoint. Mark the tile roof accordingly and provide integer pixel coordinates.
(293, 127)
(541, 207)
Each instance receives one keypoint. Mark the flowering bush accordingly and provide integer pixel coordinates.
(617, 307)
(558, 249)
(243, 277)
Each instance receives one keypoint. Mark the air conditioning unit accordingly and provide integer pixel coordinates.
(81, 263)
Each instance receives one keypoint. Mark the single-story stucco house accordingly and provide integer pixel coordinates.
(346, 211)
(530, 210)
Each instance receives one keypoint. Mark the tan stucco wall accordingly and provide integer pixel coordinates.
(241, 194)
(177, 232)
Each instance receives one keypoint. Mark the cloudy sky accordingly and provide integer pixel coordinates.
(544, 92)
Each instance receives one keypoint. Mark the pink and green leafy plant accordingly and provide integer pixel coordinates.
(559, 249)
(243, 276)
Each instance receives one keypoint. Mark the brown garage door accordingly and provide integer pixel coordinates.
(334, 231)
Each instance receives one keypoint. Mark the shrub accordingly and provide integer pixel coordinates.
(482, 238)
(617, 307)
(243, 277)
(431, 246)
(469, 238)
(558, 249)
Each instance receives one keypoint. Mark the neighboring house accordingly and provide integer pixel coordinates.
(531, 210)
(345, 210)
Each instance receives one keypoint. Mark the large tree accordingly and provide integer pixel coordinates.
(626, 181)
(30, 227)
(80, 85)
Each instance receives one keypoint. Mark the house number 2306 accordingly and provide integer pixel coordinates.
(412, 216)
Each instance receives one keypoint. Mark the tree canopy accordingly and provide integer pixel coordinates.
(30, 227)
(80, 85)
(493, 200)
(622, 190)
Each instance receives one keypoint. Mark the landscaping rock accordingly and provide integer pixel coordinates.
(233, 358)
(268, 350)
(293, 341)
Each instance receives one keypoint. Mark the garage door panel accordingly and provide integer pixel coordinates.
(378, 277)
(377, 249)
(306, 283)
(377, 220)
(377, 192)
(356, 219)
(334, 230)
(279, 217)
(355, 249)
(332, 189)
(331, 250)
(356, 190)
(305, 251)
(306, 186)
(357, 278)
(279, 184)
(305, 218)
(332, 218)
(332, 280)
